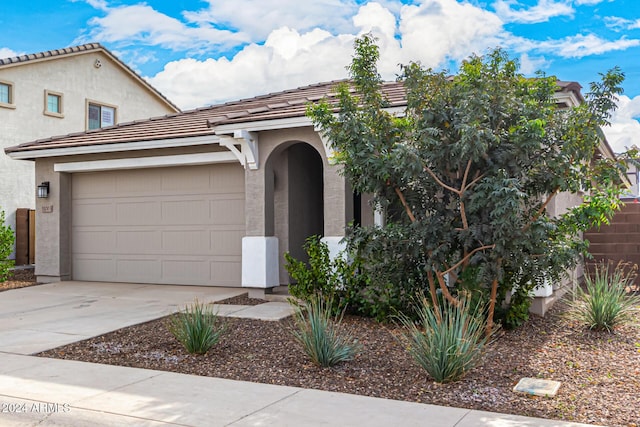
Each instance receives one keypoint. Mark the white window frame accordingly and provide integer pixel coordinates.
(47, 112)
(102, 105)
(11, 104)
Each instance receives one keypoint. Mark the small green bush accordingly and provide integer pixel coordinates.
(7, 238)
(446, 342)
(321, 334)
(605, 303)
(197, 328)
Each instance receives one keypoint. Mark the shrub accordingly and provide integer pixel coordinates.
(7, 239)
(333, 279)
(197, 328)
(604, 303)
(321, 334)
(446, 342)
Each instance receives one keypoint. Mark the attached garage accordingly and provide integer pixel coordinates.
(170, 225)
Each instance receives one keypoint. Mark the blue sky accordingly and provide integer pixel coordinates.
(204, 52)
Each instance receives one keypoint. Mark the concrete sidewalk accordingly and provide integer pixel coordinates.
(50, 392)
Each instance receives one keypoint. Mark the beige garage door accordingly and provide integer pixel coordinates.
(175, 225)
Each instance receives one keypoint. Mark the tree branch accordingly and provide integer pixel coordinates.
(440, 183)
(404, 203)
(542, 208)
(466, 257)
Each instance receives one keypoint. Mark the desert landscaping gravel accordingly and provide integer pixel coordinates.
(600, 372)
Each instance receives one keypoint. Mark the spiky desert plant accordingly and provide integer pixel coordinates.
(604, 303)
(197, 327)
(446, 341)
(321, 334)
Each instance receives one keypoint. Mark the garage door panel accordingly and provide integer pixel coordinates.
(185, 212)
(138, 241)
(195, 181)
(94, 213)
(94, 268)
(138, 270)
(181, 225)
(186, 241)
(135, 182)
(94, 241)
(197, 271)
(95, 185)
(138, 213)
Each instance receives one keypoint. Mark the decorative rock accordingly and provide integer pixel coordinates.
(537, 387)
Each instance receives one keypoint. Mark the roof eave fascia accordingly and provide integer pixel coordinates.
(276, 124)
(112, 148)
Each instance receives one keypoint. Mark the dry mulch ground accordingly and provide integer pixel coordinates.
(600, 372)
(18, 279)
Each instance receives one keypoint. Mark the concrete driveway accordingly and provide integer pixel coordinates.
(43, 317)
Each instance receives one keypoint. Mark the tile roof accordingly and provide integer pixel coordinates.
(199, 122)
(75, 50)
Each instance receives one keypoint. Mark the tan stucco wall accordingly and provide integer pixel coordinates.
(76, 78)
(267, 203)
(335, 198)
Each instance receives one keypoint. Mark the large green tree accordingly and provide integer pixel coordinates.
(467, 172)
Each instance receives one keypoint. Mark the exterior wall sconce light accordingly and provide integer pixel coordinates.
(43, 190)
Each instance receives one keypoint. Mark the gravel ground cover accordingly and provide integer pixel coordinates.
(600, 372)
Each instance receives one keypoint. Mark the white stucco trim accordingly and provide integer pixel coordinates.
(248, 141)
(146, 162)
(111, 148)
(336, 245)
(274, 124)
(260, 262)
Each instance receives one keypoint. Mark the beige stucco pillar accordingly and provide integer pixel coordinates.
(53, 225)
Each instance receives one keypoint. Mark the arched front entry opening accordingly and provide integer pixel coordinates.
(294, 198)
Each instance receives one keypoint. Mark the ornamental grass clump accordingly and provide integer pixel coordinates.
(604, 303)
(321, 334)
(446, 341)
(197, 327)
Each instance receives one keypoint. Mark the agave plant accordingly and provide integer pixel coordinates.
(446, 341)
(197, 327)
(321, 334)
(604, 303)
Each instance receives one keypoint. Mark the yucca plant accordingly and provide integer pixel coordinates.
(197, 327)
(604, 303)
(446, 341)
(321, 334)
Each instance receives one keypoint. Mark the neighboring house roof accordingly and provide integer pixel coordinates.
(272, 111)
(78, 50)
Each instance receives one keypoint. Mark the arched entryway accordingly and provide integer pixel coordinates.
(294, 198)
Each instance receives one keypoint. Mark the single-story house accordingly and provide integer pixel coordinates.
(213, 196)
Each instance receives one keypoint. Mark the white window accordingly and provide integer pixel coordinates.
(99, 116)
(6, 94)
(53, 104)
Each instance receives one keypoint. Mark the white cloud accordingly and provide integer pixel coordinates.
(512, 11)
(588, 2)
(624, 131)
(529, 65)
(619, 24)
(433, 33)
(583, 45)
(438, 30)
(141, 24)
(287, 59)
(5, 52)
(259, 17)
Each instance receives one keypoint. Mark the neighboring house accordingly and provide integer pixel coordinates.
(61, 91)
(212, 196)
